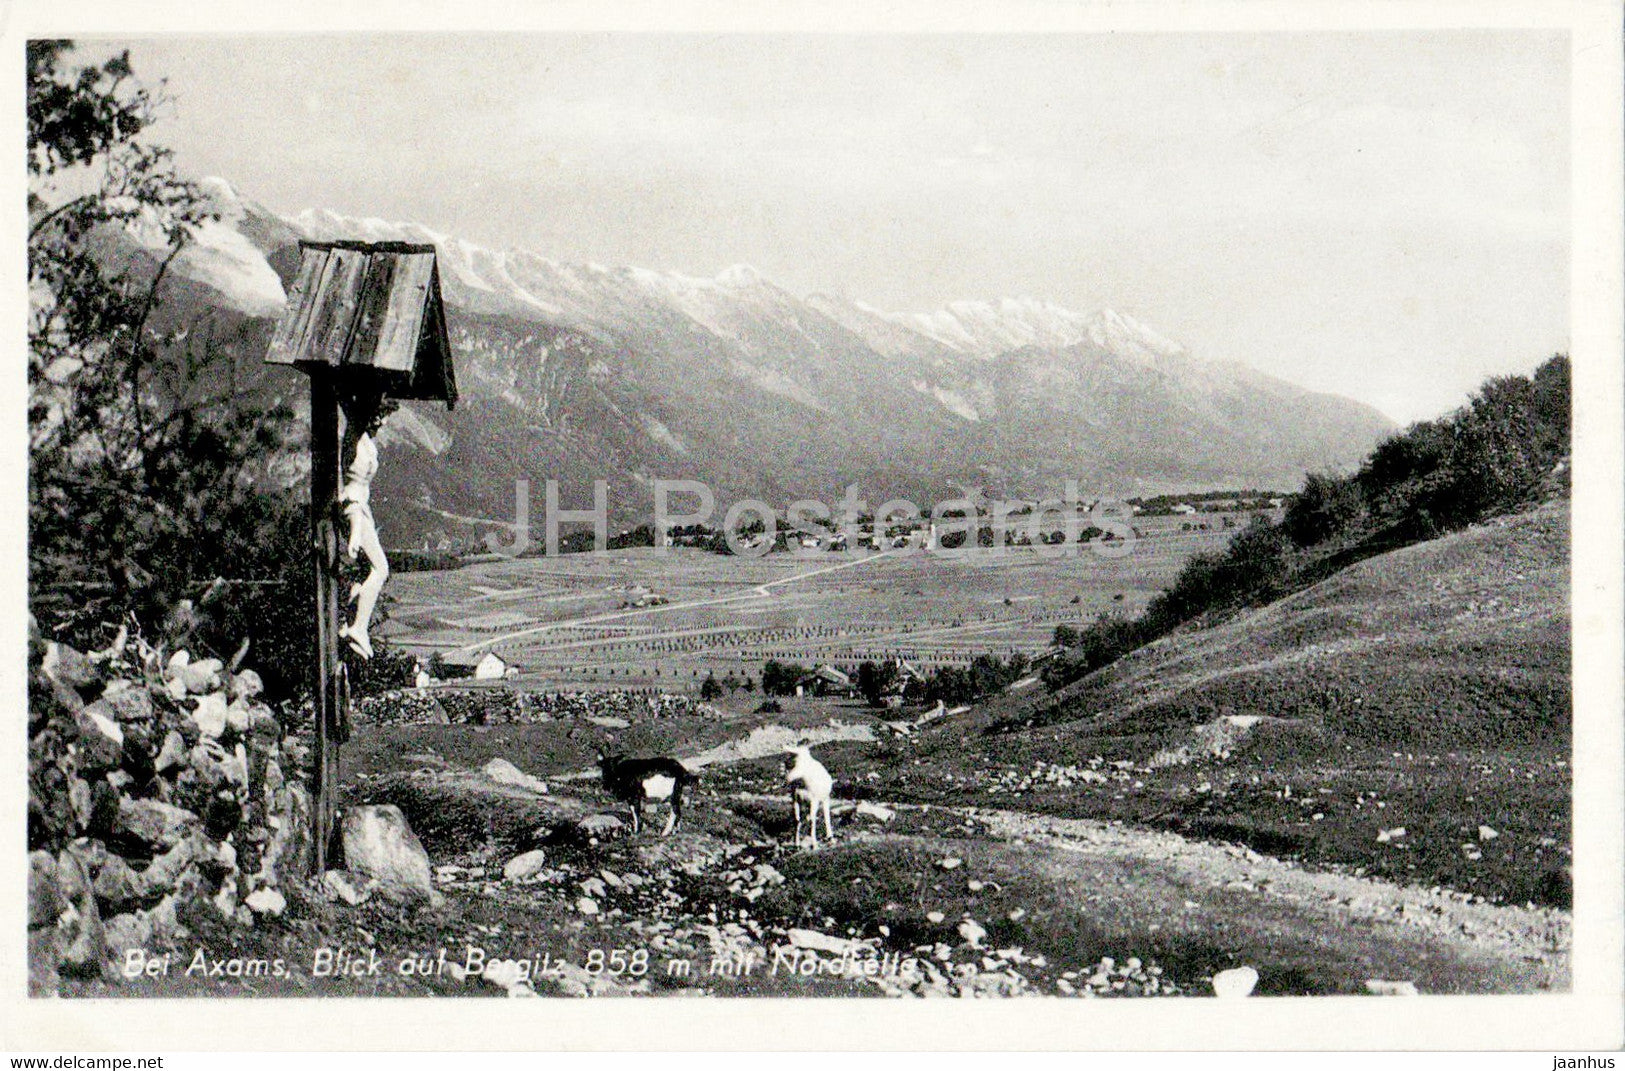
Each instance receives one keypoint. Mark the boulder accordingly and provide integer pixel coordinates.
(263, 723)
(128, 704)
(1383, 988)
(214, 765)
(124, 932)
(225, 900)
(339, 886)
(67, 666)
(223, 813)
(504, 772)
(266, 901)
(138, 750)
(875, 810)
(43, 955)
(1236, 982)
(79, 802)
(101, 741)
(199, 677)
(44, 902)
(172, 754)
(273, 776)
(164, 918)
(118, 887)
(210, 715)
(104, 803)
(525, 866)
(157, 826)
(237, 717)
(288, 847)
(81, 940)
(91, 853)
(379, 846)
(824, 942)
(164, 873)
(509, 975)
(245, 684)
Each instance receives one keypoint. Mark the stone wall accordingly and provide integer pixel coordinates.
(156, 784)
(506, 706)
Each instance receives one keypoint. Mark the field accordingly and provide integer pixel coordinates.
(644, 618)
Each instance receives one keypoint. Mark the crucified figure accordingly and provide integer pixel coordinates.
(364, 415)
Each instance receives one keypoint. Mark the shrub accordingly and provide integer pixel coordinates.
(1327, 504)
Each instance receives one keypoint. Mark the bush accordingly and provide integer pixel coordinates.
(1327, 504)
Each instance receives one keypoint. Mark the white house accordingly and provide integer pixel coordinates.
(481, 666)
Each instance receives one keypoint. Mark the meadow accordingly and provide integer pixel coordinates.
(666, 618)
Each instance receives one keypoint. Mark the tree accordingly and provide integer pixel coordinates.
(779, 678)
(148, 480)
(875, 679)
(710, 689)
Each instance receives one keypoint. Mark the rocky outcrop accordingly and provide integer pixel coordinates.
(155, 785)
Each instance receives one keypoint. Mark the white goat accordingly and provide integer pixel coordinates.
(809, 782)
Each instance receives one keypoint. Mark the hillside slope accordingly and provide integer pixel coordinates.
(1461, 641)
(1409, 717)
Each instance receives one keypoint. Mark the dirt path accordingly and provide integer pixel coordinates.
(1435, 936)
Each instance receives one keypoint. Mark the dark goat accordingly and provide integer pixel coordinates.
(637, 782)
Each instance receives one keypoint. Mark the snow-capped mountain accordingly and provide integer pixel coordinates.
(580, 372)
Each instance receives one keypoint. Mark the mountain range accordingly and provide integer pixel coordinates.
(582, 372)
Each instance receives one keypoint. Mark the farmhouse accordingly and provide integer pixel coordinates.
(906, 681)
(825, 680)
(478, 665)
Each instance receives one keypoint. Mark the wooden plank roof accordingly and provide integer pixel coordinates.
(374, 308)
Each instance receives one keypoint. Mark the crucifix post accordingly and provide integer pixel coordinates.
(363, 319)
(332, 694)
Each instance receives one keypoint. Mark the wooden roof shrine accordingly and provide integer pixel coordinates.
(373, 310)
(361, 317)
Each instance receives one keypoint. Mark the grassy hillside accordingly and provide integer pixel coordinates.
(1427, 690)
(1456, 642)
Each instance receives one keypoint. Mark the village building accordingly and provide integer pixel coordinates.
(473, 665)
(826, 681)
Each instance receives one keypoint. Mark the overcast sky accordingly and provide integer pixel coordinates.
(1383, 215)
